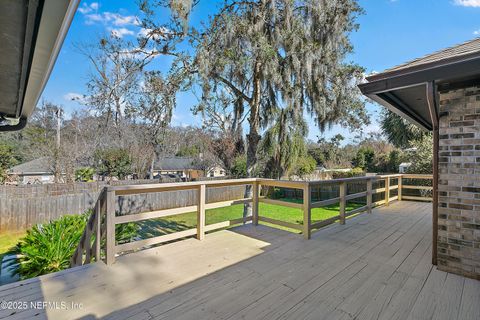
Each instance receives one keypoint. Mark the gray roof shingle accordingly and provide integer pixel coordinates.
(462, 51)
(40, 165)
(176, 164)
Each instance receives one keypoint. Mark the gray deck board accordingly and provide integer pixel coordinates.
(377, 266)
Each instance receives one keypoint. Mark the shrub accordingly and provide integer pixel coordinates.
(239, 168)
(422, 157)
(355, 172)
(305, 165)
(113, 162)
(84, 174)
(364, 158)
(48, 247)
(125, 232)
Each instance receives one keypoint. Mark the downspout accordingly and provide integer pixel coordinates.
(432, 106)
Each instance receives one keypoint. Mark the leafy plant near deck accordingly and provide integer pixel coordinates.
(125, 232)
(48, 247)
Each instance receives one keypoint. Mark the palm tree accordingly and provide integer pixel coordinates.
(399, 131)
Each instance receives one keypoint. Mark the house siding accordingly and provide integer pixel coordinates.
(459, 182)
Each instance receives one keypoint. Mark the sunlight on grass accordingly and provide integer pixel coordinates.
(8, 240)
(156, 227)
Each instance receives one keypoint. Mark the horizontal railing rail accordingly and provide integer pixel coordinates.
(98, 240)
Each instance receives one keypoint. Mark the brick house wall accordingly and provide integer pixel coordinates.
(459, 182)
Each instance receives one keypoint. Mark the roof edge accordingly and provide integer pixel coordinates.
(423, 67)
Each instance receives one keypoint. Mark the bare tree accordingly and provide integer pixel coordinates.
(113, 84)
(155, 109)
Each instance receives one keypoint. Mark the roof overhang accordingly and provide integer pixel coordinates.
(406, 91)
(32, 35)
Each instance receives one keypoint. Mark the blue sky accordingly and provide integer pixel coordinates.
(391, 32)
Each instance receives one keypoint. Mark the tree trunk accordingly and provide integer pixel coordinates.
(253, 137)
(150, 173)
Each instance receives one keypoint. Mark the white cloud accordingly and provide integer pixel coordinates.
(119, 20)
(85, 8)
(120, 32)
(110, 18)
(467, 3)
(93, 18)
(152, 34)
(94, 5)
(73, 96)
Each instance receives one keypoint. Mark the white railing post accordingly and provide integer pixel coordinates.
(255, 197)
(98, 226)
(400, 183)
(369, 195)
(307, 210)
(343, 202)
(201, 212)
(110, 228)
(387, 191)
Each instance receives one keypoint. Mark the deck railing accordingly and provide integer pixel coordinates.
(98, 240)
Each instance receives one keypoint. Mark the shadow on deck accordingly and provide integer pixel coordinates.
(377, 266)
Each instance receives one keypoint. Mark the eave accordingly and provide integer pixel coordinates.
(33, 32)
(405, 91)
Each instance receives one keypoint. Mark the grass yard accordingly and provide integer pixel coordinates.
(155, 227)
(8, 241)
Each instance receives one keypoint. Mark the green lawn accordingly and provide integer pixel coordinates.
(155, 227)
(8, 241)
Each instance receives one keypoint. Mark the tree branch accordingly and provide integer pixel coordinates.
(237, 91)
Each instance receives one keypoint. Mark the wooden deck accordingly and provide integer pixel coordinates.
(377, 266)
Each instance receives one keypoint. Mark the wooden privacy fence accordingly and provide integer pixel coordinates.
(23, 206)
(98, 239)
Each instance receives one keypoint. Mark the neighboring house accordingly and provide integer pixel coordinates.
(216, 171)
(185, 168)
(403, 167)
(37, 171)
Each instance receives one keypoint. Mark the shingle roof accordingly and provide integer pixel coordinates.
(40, 165)
(176, 164)
(462, 51)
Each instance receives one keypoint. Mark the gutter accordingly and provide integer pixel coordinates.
(432, 106)
(47, 26)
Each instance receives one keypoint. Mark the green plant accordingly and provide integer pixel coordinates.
(114, 162)
(421, 156)
(305, 165)
(355, 172)
(7, 159)
(125, 232)
(239, 168)
(48, 247)
(84, 174)
(364, 158)
(399, 131)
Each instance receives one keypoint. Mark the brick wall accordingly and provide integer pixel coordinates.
(459, 182)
